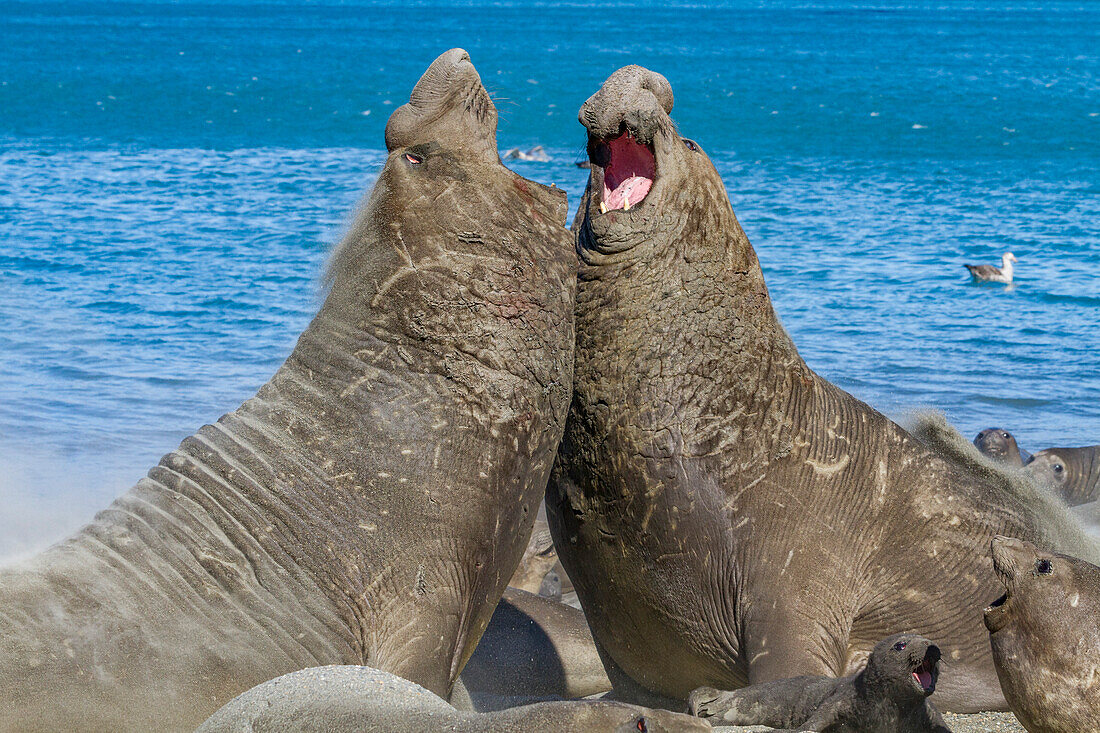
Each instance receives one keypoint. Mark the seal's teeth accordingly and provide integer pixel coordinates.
(626, 204)
(603, 208)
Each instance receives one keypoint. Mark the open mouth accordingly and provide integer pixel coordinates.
(925, 673)
(628, 174)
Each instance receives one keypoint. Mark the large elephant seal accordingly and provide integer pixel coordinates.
(349, 699)
(1045, 634)
(369, 505)
(1071, 473)
(727, 516)
(890, 695)
(999, 445)
(534, 649)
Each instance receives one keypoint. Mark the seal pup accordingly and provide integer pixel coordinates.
(534, 649)
(992, 273)
(999, 445)
(1045, 635)
(727, 516)
(349, 699)
(369, 505)
(890, 695)
(1071, 473)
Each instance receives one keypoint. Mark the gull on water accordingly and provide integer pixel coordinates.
(992, 273)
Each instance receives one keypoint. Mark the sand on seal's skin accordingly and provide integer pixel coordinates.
(974, 723)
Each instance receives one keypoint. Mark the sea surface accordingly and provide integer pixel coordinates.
(173, 174)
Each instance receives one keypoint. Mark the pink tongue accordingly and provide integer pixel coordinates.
(629, 174)
(925, 678)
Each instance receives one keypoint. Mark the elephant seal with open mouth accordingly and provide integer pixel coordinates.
(727, 516)
(890, 695)
(1073, 474)
(1045, 634)
(370, 503)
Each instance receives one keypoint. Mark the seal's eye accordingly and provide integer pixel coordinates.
(414, 159)
(1006, 436)
(641, 725)
(691, 145)
(1044, 567)
(900, 646)
(1058, 468)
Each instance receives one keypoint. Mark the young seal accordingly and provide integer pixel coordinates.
(992, 273)
(371, 502)
(1045, 634)
(349, 699)
(999, 445)
(727, 516)
(890, 695)
(1071, 473)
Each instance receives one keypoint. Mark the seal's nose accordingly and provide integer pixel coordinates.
(633, 97)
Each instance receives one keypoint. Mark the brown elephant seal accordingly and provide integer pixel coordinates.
(727, 516)
(349, 699)
(999, 445)
(1071, 473)
(369, 505)
(890, 695)
(534, 649)
(1045, 634)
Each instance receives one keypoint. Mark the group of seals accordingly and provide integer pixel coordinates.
(369, 505)
(727, 516)
(1045, 635)
(1072, 474)
(890, 695)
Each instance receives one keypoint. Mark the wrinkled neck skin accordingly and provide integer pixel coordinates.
(682, 264)
(367, 506)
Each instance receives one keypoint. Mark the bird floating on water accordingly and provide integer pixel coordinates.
(992, 273)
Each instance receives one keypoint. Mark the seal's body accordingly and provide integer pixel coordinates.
(347, 699)
(889, 696)
(1045, 635)
(369, 505)
(727, 516)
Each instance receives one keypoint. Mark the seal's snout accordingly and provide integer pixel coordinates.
(447, 104)
(926, 668)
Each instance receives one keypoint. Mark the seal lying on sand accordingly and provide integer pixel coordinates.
(534, 649)
(727, 516)
(1071, 473)
(1045, 634)
(890, 695)
(371, 502)
(346, 699)
(1000, 445)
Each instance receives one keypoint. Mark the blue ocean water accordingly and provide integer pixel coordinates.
(172, 175)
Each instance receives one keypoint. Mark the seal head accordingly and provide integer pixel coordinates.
(1000, 445)
(903, 666)
(1073, 474)
(1045, 636)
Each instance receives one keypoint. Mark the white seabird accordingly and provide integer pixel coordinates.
(992, 273)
